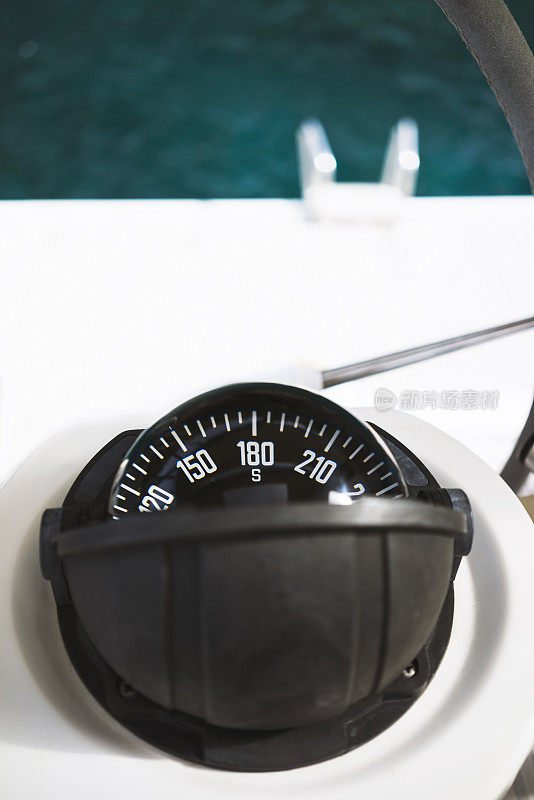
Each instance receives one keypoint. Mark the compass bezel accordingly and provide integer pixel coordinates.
(303, 403)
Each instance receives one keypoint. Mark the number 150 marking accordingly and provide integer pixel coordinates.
(196, 470)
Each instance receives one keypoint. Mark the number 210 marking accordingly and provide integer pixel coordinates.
(323, 469)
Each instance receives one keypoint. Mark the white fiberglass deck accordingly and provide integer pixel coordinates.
(128, 307)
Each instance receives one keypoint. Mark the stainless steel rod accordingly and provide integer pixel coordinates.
(361, 369)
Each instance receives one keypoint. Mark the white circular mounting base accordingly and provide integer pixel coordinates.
(465, 737)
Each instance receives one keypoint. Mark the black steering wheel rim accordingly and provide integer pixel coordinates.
(495, 41)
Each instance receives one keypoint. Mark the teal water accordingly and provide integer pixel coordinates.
(165, 98)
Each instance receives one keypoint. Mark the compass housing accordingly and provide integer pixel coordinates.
(256, 636)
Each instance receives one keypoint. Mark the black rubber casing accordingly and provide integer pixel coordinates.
(255, 644)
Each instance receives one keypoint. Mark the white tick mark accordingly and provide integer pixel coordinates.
(129, 489)
(182, 445)
(331, 442)
(382, 491)
(355, 452)
(376, 467)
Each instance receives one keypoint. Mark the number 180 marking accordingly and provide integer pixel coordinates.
(254, 454)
